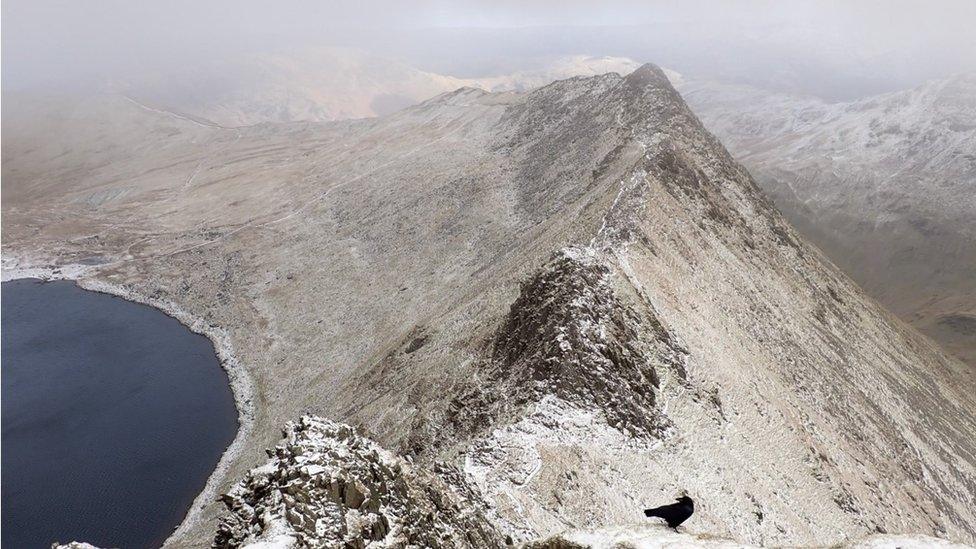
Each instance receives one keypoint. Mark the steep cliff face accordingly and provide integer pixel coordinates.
(574, 295)
(884, 185)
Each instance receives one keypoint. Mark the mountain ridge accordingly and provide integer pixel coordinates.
(379, 271)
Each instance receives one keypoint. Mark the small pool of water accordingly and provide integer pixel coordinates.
(114, 416)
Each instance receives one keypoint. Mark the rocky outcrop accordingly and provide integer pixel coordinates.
(327, 486)
(569, 335)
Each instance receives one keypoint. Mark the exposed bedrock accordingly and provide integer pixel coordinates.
(327, 486)
(569, 336)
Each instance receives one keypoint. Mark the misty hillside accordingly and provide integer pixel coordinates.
(572, 297)
(884, 185)
(881, 184)
(324, 84)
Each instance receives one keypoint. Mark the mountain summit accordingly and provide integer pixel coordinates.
(572, 298)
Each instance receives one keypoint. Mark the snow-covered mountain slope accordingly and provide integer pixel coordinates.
(330, 84)
(573, 295)
(886, 186)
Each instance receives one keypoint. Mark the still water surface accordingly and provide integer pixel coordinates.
(113, 417)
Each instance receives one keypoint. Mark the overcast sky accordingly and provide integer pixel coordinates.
(861, 44)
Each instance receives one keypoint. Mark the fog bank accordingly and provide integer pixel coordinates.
(834, 49)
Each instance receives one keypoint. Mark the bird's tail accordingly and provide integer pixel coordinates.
(652, 513)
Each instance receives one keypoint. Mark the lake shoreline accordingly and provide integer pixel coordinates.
(241, 385)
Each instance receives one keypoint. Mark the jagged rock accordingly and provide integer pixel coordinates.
(569, 335)
(327, 486)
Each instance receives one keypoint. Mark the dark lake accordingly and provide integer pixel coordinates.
(114, 416)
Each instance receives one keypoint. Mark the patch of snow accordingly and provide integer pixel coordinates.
(642, 536)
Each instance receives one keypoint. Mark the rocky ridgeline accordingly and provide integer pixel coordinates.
(327, 486)
(568, 334)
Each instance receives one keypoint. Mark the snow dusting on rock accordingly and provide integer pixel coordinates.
(327, 486)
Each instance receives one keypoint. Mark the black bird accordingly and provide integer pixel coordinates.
(674, 514)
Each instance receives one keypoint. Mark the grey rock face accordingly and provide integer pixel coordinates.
(327, 486)
(568, 335)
